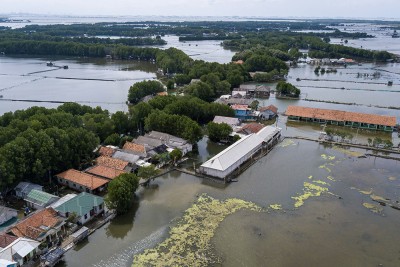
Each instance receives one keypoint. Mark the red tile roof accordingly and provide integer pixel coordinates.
(112, 163)
(6, 239)
(240, 107)
(106, 151)
(81, 178)
(251, 128)
(337, 115)
(104, 171)
(134, 147)
(32, 226)
(270, 107)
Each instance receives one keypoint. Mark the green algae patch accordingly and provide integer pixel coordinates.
(325, 167)
(309, 190)
(276, 206)
(310, 177)
(373, 207)
(378, 198)
(327, 157)
(189, 241)
(330, 178)
(287, 142)
(348, 152)
(321, 182)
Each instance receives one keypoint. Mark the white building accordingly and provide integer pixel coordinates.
(20, 251)
(227, 161)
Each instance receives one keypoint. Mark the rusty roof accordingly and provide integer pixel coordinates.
(106, 151)
(251, 128)
(112, 163)
(81, 178)
(6, 239)
(134, 147)
(270, 107)
(338, 115)
(240, 107)
(34, 225)
(103, 171)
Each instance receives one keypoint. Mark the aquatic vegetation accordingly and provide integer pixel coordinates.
(392, 178)
(348, 152)
(309, 190)
(189, 241)
(331, 178)
(373, 207)
(310, 177)
(276, 206)
(327, 157)
(365, 192)
(321, 182)
(325, 167)
(378, 198)
(287, 142)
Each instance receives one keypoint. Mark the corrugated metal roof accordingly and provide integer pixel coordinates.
(62, 200)
(228, 120)
(40, 198)
(81, 204)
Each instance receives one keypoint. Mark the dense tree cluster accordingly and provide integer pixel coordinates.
(287, 89)
(142, 89)
(121, 191)
(218, 131)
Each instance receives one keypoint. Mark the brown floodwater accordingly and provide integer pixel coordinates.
(333, 229)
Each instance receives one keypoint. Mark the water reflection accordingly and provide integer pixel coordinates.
(120, 228)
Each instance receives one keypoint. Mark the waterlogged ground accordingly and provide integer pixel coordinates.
(301, 205)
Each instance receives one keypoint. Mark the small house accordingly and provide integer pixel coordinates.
(81, 181)
(113, 163)
(244, 113)
(39, 200)
(250, 128)
(19, 252)
(23, 189)
(106, 151)
(233, 122)
(44, 226)
(104, 172)
(6, 214)
(62, 200)
(269, 112)
(86, 206)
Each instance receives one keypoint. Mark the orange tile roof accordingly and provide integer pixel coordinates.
(162, 93)
(337, 115)
(31, 226)
(252, 127)
(104, 171)
(270, 107)
(112, 163)
(134, 147)
(81, 178)
(106, 151)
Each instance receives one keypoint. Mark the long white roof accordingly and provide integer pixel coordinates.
(21, 246)
(235, 152)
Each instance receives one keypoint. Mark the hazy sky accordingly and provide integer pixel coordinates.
(265, 8)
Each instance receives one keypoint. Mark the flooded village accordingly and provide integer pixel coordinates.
(306, 180)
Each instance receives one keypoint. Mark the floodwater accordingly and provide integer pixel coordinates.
(334, 229)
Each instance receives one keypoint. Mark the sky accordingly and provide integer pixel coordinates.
(263, 8)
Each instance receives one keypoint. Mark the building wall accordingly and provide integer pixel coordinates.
(74, 186)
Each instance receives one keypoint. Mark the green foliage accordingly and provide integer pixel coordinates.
(147, 172)
(287, 89)
(182, 79)
(112, 139)
(201, 90)
(142, 89)
(218, 131)
(175, 155)
(120, 192)
(170, 84)
(177, 125)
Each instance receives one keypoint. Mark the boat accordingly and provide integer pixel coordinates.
(395, 34)
(51, 258)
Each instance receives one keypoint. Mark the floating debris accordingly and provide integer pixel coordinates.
(326, 157)
(276, 206)
(392, 178)
(379, 198)
(373, 207)
(189, 241)
(325, 167)
(310, 177)
(365, 192)
(287, 142)
(331, 178)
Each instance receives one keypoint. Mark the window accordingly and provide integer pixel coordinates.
(85, 216)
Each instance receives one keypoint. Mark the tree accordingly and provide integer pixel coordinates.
(218, 131)
(287, 89)
(142, 89)
(201, 90)
(120, 192)
(112, 139)
(170, 84)
(175, 155)
(147, 173)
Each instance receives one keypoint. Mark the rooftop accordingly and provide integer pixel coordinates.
(138, 148)
(227, 120)
(26, 187)
(112, 162)
(34, 225)
(337, 115)
(62, 200)
(18, 249)
(240, 107)
(7, 214)
(270, 107)
(81, 204)
(6, 239)
(250, 128)
(40, 198)
(81, 178)
(126, 157)
(103, 171)
(106, 151)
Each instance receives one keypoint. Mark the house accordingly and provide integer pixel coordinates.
(137, 149)
(233, 122)
(255, 90)
(227, 161)
(250, 128)
(44, 226)
(171, 141)
(148, 142)
(6, 214)
(6, 239)
(126, 157)
(239, 94)
(23, 189)
(342, 118)
(39, 199)
(113, 163)
(62, 200)
(106, 151)
(104, 172)
(244, 113)
(86, 206)
(19, 252)
(235, 101)
(81, 181)
(268, 112)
